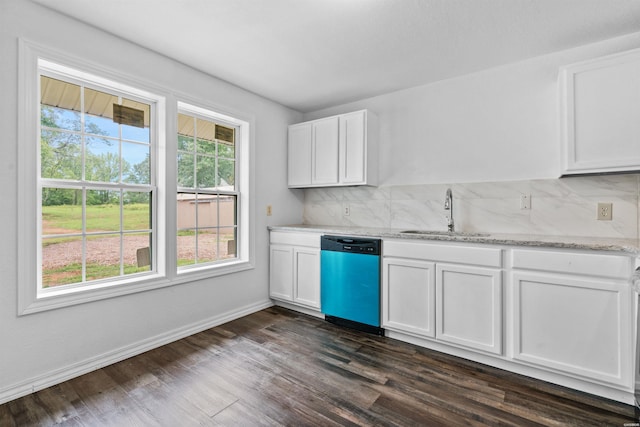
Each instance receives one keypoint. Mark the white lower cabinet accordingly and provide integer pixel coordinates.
(573, 313)
(434, 298)
(408, 301)
(306, 276)
(575, 325)
(294, 269)
(469, 306)
(281, 272)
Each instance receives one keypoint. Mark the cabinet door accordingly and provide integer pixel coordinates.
(601, 111)
(299, 161)
(408, 296)
(353, 148)
(469, 307)
(281, 272)
(307, 277)
(325, 151)
(575, 325)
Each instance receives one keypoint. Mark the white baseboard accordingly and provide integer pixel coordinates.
(75, 370)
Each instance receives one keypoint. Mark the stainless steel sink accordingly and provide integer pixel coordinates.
(443, 233)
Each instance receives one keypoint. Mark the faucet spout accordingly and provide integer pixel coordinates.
(448, 206)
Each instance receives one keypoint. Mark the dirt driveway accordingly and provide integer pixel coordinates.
(106, 250)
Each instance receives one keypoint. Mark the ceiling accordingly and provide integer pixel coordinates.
(312, 54)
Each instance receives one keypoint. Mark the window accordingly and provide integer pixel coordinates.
(114, 198)
(207, 196)
(96, 183)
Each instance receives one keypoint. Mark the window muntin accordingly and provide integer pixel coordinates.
(95, 181)
(207, 198)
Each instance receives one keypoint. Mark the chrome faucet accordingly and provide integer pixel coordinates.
(448, 206)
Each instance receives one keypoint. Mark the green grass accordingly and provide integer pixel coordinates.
(68, 218)
(72, 273)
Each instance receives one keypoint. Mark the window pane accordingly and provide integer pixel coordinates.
(137, 253)
(185, 127)
(103, 256)
(136, 211)
(227, 242)
(205, 132)
(186, 247)
(102, 160)
(186, 210)
(135, 163)
(103, 210)
(185, 143)
(207, 210)
(59, 104)
(206, 172)
(207, 245)
(98, 107)
(226, 174)
(61, 211)
(206, 147)
(136, 133)
(226, 134)
(226, 150)
(60, 155)
(55, 117)
(61, 261)
(185, 170)
(227, 206)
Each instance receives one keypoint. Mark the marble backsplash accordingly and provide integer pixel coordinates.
(564, 207)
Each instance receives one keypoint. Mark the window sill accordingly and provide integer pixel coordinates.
(51, 299)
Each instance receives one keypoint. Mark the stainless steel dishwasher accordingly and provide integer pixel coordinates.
(350, 282)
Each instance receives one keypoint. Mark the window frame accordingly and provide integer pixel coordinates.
(30, 299)
(198, 113)
(67, 75)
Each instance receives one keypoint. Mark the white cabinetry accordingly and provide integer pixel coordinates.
(408, 301)
(600, 109)
(334, 151)
(294, 268)
(425, 295)
(469, 306)
(325, 147)
(299, 162)
(566, 321)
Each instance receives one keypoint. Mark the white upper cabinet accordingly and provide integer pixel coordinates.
(353, 150)
(600, 108)
(325, 143)
(334, 151)
(300, 154)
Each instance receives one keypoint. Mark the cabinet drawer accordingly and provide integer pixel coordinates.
(295, 239)
(490, 257)
(614, 266)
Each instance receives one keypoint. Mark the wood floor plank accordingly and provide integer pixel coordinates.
(281, 368)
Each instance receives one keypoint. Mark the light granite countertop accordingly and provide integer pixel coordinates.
(630, 246)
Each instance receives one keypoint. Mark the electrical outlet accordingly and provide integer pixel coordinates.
(525, 201)
(269, 210)
(605, 211)
(346, 210)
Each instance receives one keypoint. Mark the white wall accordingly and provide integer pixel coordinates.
(500, 124)
(38, 347)
(491, 136)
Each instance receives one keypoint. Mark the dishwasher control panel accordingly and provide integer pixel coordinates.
(350, 244)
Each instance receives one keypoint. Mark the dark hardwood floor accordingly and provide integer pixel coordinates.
(277, 367)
